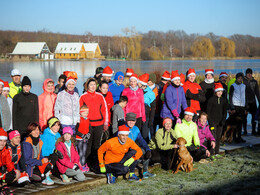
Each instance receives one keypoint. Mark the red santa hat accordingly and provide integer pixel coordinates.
(223, 74)
(107, 71)
(218, 87)
(66, 73)
(175, 75)
(6, 86)
(134, 76)
(3, 134)
(209, 71)
(182, 78)
(1, 82)
(189, 111)
(129, 72)
(69, 80)
(190, 72)
(143, 79)
(123, 129)
(166, 76)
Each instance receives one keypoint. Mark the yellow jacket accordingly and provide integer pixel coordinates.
(14, 90)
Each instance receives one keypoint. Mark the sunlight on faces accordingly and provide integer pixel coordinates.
(50, 86)
(61, 82)
(219, 93)
(104, 88)
(5, 92)
(71, 86)
(130, 124)
(2, 144)
(123, 137)
(16, 79)
(177, 82)
(35, 132)
(150, 83)
(92, 86)
(123, 104)
(203, 120)
(223, 79)
(209, 76)
(106, 78)
(188, 117)
(168, 125)
(67, 137)
(85, 113)
(191, 78)
(16, 141)
(133, 83)
(55, 128)
(119, 82)
(26, 88)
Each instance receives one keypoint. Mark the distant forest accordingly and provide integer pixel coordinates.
(153, 45)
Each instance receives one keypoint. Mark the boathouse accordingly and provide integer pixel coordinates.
(93, 50)
(31, 50)
(70, 51)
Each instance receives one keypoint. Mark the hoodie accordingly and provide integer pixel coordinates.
(118, 115)
(46, 104)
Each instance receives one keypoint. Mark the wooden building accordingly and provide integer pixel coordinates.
(93, 51)
(70, 51)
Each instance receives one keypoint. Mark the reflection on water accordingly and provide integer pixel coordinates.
(38, 71)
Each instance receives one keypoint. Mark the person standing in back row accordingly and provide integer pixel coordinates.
(15, 85)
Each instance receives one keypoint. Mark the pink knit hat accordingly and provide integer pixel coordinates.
(13, 134)
(67, 130)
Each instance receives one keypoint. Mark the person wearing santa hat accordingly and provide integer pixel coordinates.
(119, 155)
(5, 93)
(223, 79)
(69, 74)
(193, 92)
(150, 106)
(8, 173)
(25, 108)
(46, 102)
(1, 86)
(208, 87)
(175, 99)
(107, 74)
(135, 103)
(189, 131)
(66, 107)
(217, 113)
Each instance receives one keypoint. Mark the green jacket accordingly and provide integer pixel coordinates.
(14, 90)
(165, 140)
(189, 131)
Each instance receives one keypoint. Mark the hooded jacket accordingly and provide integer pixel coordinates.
(115, 90)
(204, 133)
(165, 140)
(6, 160)
(46, 104)
(118, 115)
(110, 103)
(5, 114)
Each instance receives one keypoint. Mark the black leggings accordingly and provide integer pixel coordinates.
(217, 133)
(96, 137)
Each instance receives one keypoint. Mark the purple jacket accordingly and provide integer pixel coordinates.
(204, 133)
(174, 100)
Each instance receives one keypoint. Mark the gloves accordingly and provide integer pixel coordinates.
(103, 169)
(175, 113)
(86, 136)
(129, 162)
(178, 121)
(76, 167)
(148, 154)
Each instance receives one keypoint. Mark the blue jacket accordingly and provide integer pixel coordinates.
(135, 135)
(115, 90)
(174, 100)
(49, 140)
(149, 96)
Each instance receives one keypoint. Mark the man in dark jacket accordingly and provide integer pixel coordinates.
(253, 93)
(25, 107)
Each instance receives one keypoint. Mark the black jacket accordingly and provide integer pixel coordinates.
(253, 90)
(208, 90)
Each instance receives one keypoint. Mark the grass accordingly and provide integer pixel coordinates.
(237, 172)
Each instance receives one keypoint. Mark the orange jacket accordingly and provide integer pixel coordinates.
(46, 104)
(6, 160)
(116, 151)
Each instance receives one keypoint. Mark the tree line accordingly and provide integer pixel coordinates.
(153, 45)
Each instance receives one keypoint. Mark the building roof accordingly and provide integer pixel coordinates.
(91, 47)
(30, 48)
(68, 47)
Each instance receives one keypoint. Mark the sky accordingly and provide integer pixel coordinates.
(109, 17)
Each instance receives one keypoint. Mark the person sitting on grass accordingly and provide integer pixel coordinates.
(136, 136)
(8, 173)
(189, 131)
(121, 154)
(70, 164)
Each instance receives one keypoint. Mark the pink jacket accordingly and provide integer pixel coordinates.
(66, 162)
(135, 102)
(204, 133)
(46, 104)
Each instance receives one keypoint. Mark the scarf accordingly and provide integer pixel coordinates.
(35, 140)
(70, 92)
(134, 89)
(122, 143)
(152, 87)
(209, 81)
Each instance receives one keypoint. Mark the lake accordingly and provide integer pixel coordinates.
(38, 71)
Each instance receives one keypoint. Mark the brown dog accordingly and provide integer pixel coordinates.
(184, 158)
(231, 125)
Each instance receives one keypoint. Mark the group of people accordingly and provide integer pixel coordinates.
(112, 127)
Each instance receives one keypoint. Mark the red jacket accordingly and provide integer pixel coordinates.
(84, 126)
(6, 159)
(110, 104)
(98, 112)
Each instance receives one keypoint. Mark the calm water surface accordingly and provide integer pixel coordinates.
(39, 71)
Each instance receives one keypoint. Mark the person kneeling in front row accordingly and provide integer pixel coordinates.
(121, 156)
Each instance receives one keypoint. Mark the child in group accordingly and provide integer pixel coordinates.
(8, 173)
(118, 114)
(17, 157)
(70, 164)
(83, 134)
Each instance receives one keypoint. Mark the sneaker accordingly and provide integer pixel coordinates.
(48, 181)
(148, 174)
(65, 178)
(134, 178)
(111, 179)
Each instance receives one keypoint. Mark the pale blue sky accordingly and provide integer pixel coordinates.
(108, 17)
